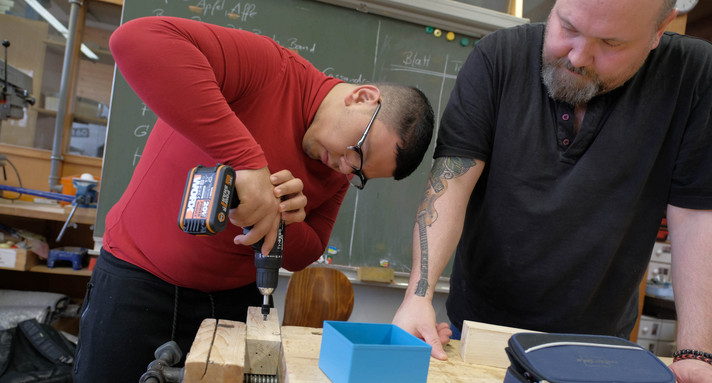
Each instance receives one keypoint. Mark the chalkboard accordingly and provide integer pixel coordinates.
(374, 225)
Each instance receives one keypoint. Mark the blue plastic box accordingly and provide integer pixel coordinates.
(372, 352)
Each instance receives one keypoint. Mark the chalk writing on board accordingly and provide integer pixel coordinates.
(243, 11)
(360, 79)
(145, 110)
(294, 43)
(457, 64)
(209, 8)
(136, 156)
(404, 68)
(416, 59)
(291, 42)
(239, 11)
(142, 130)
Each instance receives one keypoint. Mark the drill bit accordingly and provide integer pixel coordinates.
(265, 307)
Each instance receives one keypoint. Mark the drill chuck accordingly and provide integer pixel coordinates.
(267, 279)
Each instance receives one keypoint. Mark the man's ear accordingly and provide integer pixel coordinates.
(368, 94)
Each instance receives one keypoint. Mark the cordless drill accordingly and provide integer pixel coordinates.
(268, 266)
(209, 194)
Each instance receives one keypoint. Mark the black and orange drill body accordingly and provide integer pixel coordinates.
(209, 194)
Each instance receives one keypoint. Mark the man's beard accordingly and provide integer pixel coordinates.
(568, 88)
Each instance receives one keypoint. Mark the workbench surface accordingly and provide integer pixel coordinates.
(300, 361)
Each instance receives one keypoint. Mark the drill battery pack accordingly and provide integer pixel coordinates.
(209, 194)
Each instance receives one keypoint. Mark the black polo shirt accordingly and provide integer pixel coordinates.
(560, 227)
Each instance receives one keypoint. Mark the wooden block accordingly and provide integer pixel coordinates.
(299, 359)
(217, 353)
(17, 259)
(375, 274)
(197, 358)
(263, 342)
(484, 344)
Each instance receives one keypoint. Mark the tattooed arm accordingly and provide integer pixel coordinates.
(437, 230)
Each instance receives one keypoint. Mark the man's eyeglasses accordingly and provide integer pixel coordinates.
(354, 155)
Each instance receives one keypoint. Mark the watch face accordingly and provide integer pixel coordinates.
(685, 5)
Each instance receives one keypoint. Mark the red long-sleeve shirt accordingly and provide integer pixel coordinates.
(222, 96)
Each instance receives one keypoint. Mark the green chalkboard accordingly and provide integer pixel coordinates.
(375, 224)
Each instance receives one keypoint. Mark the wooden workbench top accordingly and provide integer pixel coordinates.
(300, 361)
(52, 212)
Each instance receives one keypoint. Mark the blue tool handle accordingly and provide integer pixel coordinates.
(39, 193)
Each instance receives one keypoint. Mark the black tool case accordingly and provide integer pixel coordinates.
(559, 358)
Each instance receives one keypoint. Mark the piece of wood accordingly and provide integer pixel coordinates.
(197, 358)
(375, 274)
(641, 300)
(299, 360)
(263, 342)
(515, 7)
(484, 344)
(678, 24)
(217, 353)
(17, 259)
(115, 2)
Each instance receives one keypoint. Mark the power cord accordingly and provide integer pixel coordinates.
(4, 160)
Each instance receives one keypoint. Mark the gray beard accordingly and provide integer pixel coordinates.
(569, 90)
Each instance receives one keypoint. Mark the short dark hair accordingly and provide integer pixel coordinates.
(408, 110)
(667, 7)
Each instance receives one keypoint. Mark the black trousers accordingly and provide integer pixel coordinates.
(128, 313)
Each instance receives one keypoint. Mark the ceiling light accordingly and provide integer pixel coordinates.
(58, 26)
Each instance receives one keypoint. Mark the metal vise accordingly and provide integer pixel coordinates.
(160, 370)
(16, 87)
(86, 196)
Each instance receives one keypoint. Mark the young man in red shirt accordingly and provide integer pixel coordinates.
(294, 136)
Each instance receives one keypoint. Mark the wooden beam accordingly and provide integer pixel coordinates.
(115, 2)
(263, 342)
(641, 300)
(515, 8)
(484, 344)
(197, 358)
(217, 354)
(678, 24)
(375, 274)
(455, 16)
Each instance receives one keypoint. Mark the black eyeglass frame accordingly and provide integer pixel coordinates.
(358, 175)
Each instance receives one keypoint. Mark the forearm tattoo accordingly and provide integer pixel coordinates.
(444, 169)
